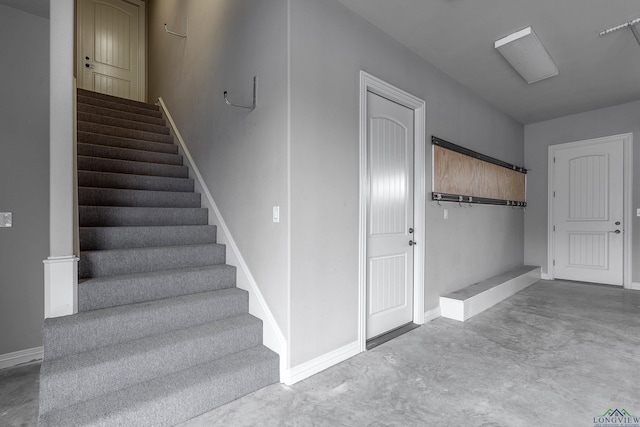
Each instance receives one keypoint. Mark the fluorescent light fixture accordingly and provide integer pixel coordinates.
(526, 54)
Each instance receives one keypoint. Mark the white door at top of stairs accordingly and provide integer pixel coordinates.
(588, 211)
(390, 257)
(110, 47)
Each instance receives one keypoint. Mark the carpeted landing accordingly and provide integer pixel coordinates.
(162, 333)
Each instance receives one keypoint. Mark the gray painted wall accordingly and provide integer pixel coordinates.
(242, 155)
(615, 120)
(329, 47)
(24, 176)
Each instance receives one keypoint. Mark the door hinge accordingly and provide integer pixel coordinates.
(554, 194)
(554, 228)
(554, 160)
(554, 262)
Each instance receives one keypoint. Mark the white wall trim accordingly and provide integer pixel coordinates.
(60, 286)
(382, 88)
(19, 357)
(627, 141)
(272, 334)
(320, 363)
(635, 286)
(545, 276)
(432, 314)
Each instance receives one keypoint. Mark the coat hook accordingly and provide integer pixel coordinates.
(251, 107)
(185, 35)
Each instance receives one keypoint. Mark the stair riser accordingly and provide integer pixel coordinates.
(144, 260)
(209, 386)
(124, 133)
(142, 361)
(127, 154)
(133, 182)
(106, 292)
(101, 238)
(122, 123)
(121, 101)
(102, 216)
(87, 331)
(133, 144)
(98, 164)
(92, 109)
(137, 198)
(87, 100)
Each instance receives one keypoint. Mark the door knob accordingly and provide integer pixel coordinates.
(615, 231)
(411, 230)
(89, 65)
(411, 243)
(617, 222)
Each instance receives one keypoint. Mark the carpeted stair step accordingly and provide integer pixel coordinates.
(103, 151)
(101, 238)
(92, 109)
(122, 101)
(108, 216)
(94, 329)
(177, 397)
(133, 182)
(122, 123)
(113, 262)
(100, 164)
(83, 376)
(88, 100)
(106, 292)
(134, 144)
(90, 196)
(124, 133)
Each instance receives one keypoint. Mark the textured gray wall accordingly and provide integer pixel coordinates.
(242, 155)
(615, 120)
(24, 176)
(329, 47)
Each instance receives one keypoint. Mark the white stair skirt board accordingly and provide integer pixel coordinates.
(272, 335)
(60, 286)
(19, 357)
(320, 363)
(474, 299)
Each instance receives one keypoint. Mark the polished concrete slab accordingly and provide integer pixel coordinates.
(555, 354)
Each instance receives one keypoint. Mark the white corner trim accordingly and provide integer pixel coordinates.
(60, 286)
(320, 363)
(635, 286)
(545, 276)
(19, 357)
(272, 334)
(432, 314)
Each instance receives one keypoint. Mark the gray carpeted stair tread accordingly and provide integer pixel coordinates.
(134, 182)
(111, 216)
(88, 100)
(177, 397)
(134, 144)
(114, 262)
(106, 292)
(116, 153)
(109, 112)
(124, 133)
(101, 164)
(111, 98)
(92, 196)
(100, 238)
(122, 123)
(83, 376)
(94, 329)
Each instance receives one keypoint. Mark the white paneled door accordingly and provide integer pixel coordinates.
(390, 145)
(109, 47)
(588, 212)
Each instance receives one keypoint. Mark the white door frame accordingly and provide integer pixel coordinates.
(627, 194)
(369, 83)
(142, 48)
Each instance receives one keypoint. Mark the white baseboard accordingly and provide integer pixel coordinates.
(312, 367)
(272, 334)
(432, 314)
(19, 357)
(635, 286)
(545, 276)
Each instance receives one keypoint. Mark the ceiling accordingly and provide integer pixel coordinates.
(35, 7)
(457, 37)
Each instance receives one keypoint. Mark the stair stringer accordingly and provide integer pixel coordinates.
(273, 338)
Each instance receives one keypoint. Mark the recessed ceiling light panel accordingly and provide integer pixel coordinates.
(527, 55)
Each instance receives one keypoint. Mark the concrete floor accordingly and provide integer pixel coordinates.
(556, 354)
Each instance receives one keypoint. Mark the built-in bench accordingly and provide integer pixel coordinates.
(474, 299)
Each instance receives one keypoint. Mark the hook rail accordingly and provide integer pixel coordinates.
(250, 107)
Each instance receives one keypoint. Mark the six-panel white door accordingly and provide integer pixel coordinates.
(108, 48)
(390, 145)
(588, 212)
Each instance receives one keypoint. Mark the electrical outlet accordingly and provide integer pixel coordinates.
(276, 214)
(5, 219)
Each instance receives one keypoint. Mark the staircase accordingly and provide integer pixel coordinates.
(162, 333)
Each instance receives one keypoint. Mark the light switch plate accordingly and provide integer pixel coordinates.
(5, 219)
(446, 213)
(276, 214)
(638, 213)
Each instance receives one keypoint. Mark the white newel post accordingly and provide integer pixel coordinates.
(61, 267)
